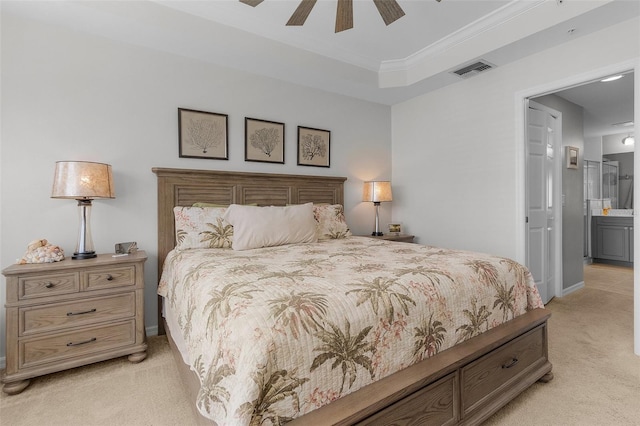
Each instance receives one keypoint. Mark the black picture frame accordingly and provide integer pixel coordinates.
(263, 141)
(203, 134)
(314, 147)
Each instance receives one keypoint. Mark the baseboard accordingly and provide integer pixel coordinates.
(569, 290)
(614, 262)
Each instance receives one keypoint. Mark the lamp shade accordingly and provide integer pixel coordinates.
(82, 180)
(377, 191)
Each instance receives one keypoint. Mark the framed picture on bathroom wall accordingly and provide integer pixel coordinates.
(572, 157)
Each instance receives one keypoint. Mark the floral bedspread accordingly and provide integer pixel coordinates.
(277, 332)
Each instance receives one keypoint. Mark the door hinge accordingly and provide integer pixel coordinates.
(526, 220)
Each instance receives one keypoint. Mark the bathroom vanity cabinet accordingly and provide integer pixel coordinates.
(612, 239)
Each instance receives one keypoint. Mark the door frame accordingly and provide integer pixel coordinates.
(557, 194)
(520, 120)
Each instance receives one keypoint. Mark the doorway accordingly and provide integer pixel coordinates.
(521, 123)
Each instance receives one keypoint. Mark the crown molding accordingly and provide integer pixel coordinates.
(513, 22)
(493, 20)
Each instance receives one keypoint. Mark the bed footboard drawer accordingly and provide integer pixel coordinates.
(501, 368)
(435, 404)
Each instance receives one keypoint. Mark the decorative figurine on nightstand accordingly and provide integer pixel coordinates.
(40, 251)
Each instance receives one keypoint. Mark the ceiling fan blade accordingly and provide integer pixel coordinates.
(301, 13)
(344, 15)
(252, 3)
(390, 10)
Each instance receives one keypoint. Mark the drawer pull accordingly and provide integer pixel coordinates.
(109, 277)
(93, 339)
(50, 285)
(511, 363)
(90, 311)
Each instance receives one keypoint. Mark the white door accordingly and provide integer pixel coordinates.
(543, 193)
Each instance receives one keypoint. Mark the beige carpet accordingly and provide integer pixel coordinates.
(597, 376)
(113, 393)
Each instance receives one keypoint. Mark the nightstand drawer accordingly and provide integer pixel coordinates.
(78, 343)
(112, 277)
(78, 313)
(33, 287)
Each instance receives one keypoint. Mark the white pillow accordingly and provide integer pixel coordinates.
(255, 227)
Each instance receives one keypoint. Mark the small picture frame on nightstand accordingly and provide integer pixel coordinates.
(126, 248)
(395, 228)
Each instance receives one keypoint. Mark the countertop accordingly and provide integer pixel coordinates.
(613, 212)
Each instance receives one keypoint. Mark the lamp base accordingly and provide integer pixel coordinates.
(84, 248)
(377, 234)
(85, 255)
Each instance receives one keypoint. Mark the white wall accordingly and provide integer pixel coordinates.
(593, 148)
(455, 158)
(612, 144)
(72, 96)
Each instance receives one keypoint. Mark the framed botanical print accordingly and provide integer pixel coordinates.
(263, 141)
(314, 147)
(203, 134)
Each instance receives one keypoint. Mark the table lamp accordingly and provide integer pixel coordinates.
(83, 181)
(377, 192)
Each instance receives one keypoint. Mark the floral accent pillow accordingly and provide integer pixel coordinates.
(331, 222)
(202, 227)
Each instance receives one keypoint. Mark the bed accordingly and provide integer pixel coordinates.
(440, 366)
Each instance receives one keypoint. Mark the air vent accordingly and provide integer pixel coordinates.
(624, 124)
(473, 69)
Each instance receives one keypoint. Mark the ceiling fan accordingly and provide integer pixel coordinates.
(389, 10)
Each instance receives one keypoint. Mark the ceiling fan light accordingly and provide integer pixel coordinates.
(628, 140)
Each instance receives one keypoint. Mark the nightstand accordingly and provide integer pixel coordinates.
(71, 313)
(394, 236)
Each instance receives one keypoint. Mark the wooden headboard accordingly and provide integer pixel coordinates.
(183, 187)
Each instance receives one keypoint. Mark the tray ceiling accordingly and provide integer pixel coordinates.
(371, 61)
